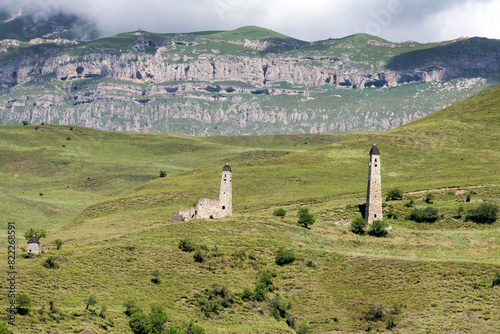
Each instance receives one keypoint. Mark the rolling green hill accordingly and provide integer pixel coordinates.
(428, 277)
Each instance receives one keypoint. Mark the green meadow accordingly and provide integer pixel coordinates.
(100, 193)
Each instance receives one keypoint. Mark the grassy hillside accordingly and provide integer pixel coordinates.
(431, 277)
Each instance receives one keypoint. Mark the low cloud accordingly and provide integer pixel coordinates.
(395, 20)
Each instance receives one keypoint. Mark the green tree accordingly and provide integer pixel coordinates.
(139, 323)
(39, 233)
(394, 194)
(358, 225)
(163, 173)
(26, 123)
(104, 309)
(496, 280)
(377, 229)
(157, 318)
(305, 218)
(58, 243)
(23, 304)
(279, 212)
(90, 301)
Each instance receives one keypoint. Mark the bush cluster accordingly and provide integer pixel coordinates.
(212, 300)
(428, 214)
(358, 225)
(51, 263)
(284, 256)
(378, 229)
(281, 309)
(186, 245)
(485, 213)
(279, 212)
(394, 194)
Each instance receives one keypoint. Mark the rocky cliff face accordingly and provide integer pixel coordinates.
(201, 85)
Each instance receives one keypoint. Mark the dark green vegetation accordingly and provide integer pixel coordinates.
(421, 277)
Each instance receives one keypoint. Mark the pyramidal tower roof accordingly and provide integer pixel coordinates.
(226, 168)
(374, 150)
(33, 240)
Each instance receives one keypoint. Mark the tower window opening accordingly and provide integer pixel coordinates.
(375, 216)
(211, 217)
(224, 179)
(223, 207)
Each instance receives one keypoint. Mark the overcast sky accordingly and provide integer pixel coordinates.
(309, 20)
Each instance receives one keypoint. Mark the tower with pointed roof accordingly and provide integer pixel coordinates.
(226, 192)
(373, 209)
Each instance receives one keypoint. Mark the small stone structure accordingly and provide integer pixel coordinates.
(211, 208)
(34, 245)
(373, 209)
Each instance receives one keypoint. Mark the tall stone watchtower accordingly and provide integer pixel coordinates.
(226, 192)
(374, 193)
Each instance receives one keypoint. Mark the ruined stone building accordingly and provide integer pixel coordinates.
(373, 209)
(211, 208)
(34, 246)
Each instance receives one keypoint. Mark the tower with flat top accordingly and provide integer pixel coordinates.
(373, 209)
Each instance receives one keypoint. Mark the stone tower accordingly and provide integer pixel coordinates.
(226, 192)
(373, 209)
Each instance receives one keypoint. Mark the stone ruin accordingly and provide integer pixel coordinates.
(211, 208)
(34, 245)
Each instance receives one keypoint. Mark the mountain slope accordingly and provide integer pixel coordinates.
(428, 277)
(246, 81)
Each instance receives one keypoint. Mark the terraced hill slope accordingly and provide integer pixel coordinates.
(430, 277)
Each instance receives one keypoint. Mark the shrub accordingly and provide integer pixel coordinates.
(266, 277)
(163, 173)
(131, 307)
(139, 323)
(51, 263)
(394, 194)
(156, 277)
(429, 198)
(200, 255)
(376, 312)
(485, 213)
(68, 138)
(23, 304)
(186, 245)
(4, 330)
(460, 212)
(305, 218)
(58, 243)
(214, 299)
(303, 328)
(279, 212)
(279, 307)
(468, 197)
(90, 301)
(390, 323)
(26, 123)
(157, 318)
(191, 328)
(377, 229)
(410, 204)
(496, 280)
(260, 292)
(392, 214)
(104, 309)
(429, 214)
(70, 128)
(247, 294)
(284, 256)
(358, 225)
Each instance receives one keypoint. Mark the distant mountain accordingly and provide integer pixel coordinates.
(245, 81)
